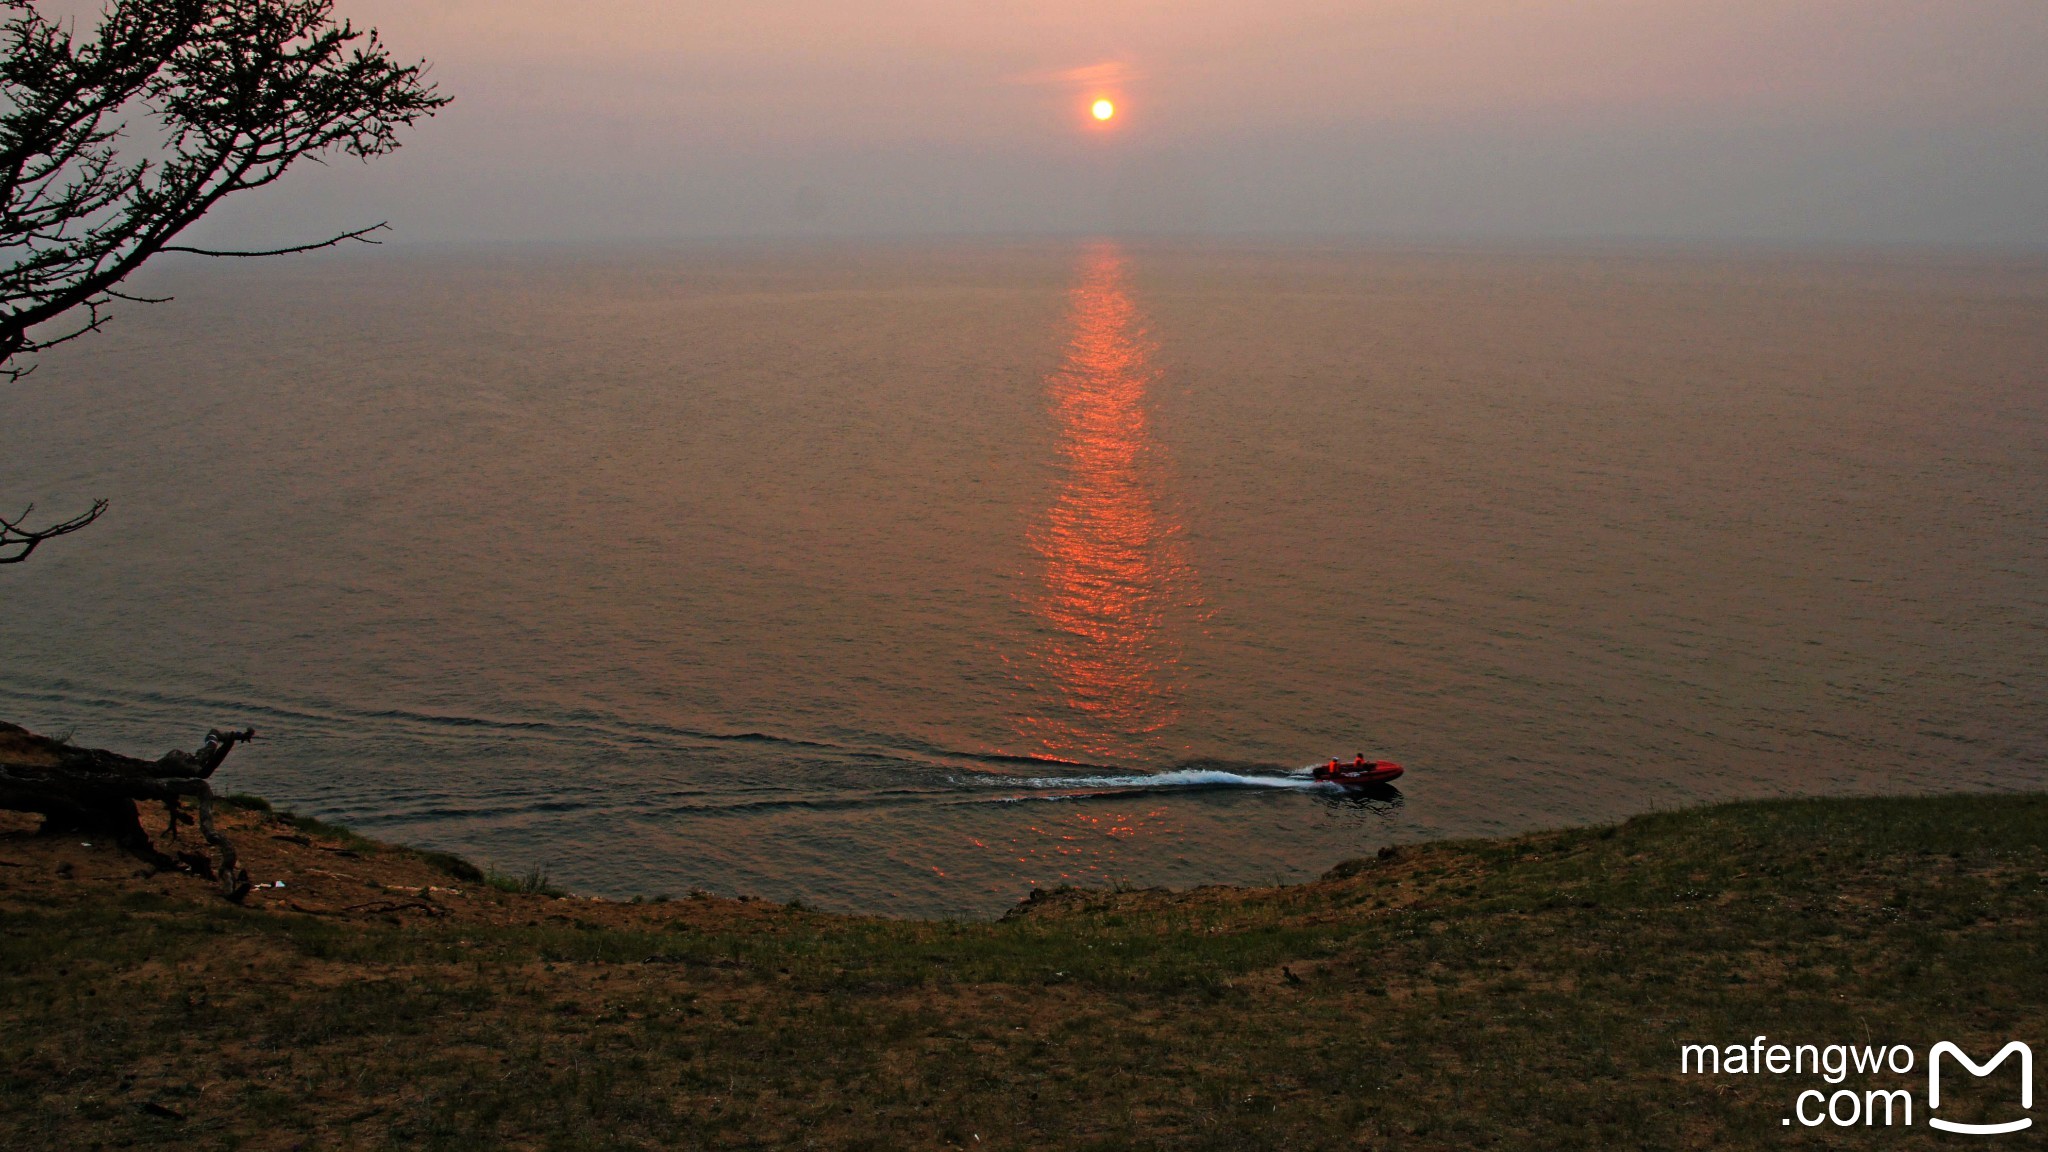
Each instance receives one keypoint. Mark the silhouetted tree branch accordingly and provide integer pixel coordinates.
(113, 144)
(23, 541)
(361, 234)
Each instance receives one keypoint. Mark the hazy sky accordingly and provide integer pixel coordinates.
(1808, 120)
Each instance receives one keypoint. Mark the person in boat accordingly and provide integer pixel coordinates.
(1326, 771)
(1359, 764)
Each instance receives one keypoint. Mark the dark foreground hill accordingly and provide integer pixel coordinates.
(1524, 993)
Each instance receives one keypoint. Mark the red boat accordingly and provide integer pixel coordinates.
(1355, 775)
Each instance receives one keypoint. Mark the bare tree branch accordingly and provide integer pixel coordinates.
(361, 234)
(13, 535)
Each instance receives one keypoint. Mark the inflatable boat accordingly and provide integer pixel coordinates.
(1356, 775)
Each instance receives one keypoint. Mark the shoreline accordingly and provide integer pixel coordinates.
(1529, 991)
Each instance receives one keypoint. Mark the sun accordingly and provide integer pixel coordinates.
(1102, 110)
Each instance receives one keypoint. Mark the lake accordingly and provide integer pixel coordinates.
(905, 578)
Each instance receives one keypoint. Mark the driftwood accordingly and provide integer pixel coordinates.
(88, 790)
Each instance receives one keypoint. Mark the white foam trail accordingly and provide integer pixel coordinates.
(1183, 778)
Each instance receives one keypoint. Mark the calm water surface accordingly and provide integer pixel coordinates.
(902, 580)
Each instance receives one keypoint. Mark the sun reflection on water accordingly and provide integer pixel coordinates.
(1113, 578)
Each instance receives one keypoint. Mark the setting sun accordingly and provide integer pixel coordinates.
(1103, 110)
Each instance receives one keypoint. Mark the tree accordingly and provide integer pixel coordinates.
(113, 145)
(110, 147)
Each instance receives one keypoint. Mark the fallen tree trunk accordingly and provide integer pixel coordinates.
(89, 790)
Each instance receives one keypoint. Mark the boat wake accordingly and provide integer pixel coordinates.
(1178, 779)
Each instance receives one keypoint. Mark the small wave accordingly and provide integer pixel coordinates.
(285, 718)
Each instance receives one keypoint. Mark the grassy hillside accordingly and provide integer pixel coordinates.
(1523, 993)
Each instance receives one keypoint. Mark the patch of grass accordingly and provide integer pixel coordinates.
(532, 882)
(447, 863)
(336, 832)
(1523, 993)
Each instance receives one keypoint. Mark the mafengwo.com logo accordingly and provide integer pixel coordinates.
(1838, 1104)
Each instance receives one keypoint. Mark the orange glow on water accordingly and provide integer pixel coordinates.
(1084, 847)
(1112, 572)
